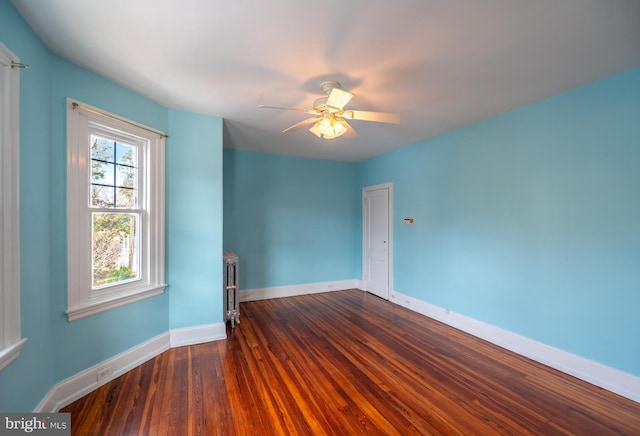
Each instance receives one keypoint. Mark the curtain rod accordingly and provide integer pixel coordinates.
(15, 64)
(77, 105)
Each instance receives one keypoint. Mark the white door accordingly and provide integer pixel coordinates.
(376, 239)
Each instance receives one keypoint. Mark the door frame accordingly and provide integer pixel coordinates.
(366, 189)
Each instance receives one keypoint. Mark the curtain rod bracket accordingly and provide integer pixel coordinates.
(15, 64)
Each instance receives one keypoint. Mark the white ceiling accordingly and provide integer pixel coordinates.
(440, 63)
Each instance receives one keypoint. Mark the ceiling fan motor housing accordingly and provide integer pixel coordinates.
(320, 104)
(328, 85)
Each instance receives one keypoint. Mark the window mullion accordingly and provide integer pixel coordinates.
(109, 210)
(115, 173)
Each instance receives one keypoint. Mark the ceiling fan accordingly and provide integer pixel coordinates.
(330, 117)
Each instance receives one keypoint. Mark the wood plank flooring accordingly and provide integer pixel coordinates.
(347, 363)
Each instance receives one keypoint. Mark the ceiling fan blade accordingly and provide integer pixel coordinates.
(351, 132)
(308, 111)
(380, 117)
(301, 124)
(339, 98)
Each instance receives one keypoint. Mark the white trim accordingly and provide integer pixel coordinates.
(82, 300)
(294, 290)
(198, 334)
(11, 340)
(79, 312)
(84, 382)
(10, 353)
(600, 375)
(365, 190)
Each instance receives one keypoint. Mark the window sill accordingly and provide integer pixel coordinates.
(10, 353)
(94, 307)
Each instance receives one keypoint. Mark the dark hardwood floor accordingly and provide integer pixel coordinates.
(347, 363)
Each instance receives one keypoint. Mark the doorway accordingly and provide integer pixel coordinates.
(377, 244)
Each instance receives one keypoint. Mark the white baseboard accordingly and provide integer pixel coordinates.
(293, 290)
(82, 383)
(79, 385)
(611, 379)
(198, 334)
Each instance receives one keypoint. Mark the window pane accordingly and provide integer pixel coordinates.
(102, 196)
(115, 253)
(126, 197)
(126, 154)
(102, 173)
(102, 149)
(125, 176)
(114, 173)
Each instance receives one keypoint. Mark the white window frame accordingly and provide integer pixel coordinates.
(11, 339)
(82, 300)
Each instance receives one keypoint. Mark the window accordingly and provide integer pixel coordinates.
(115, 211)
(10, 336)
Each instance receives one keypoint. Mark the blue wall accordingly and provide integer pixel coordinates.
(56, 348)
(530, 220)
(26, 380)
(291, 220)
(194, 219)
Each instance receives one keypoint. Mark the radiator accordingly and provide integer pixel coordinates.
(230, 291)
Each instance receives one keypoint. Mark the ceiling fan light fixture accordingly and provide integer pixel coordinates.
(329, 116)
(316, 129)
(329, 128)
(339, 127)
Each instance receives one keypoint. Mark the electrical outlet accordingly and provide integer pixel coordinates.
(103, 373)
